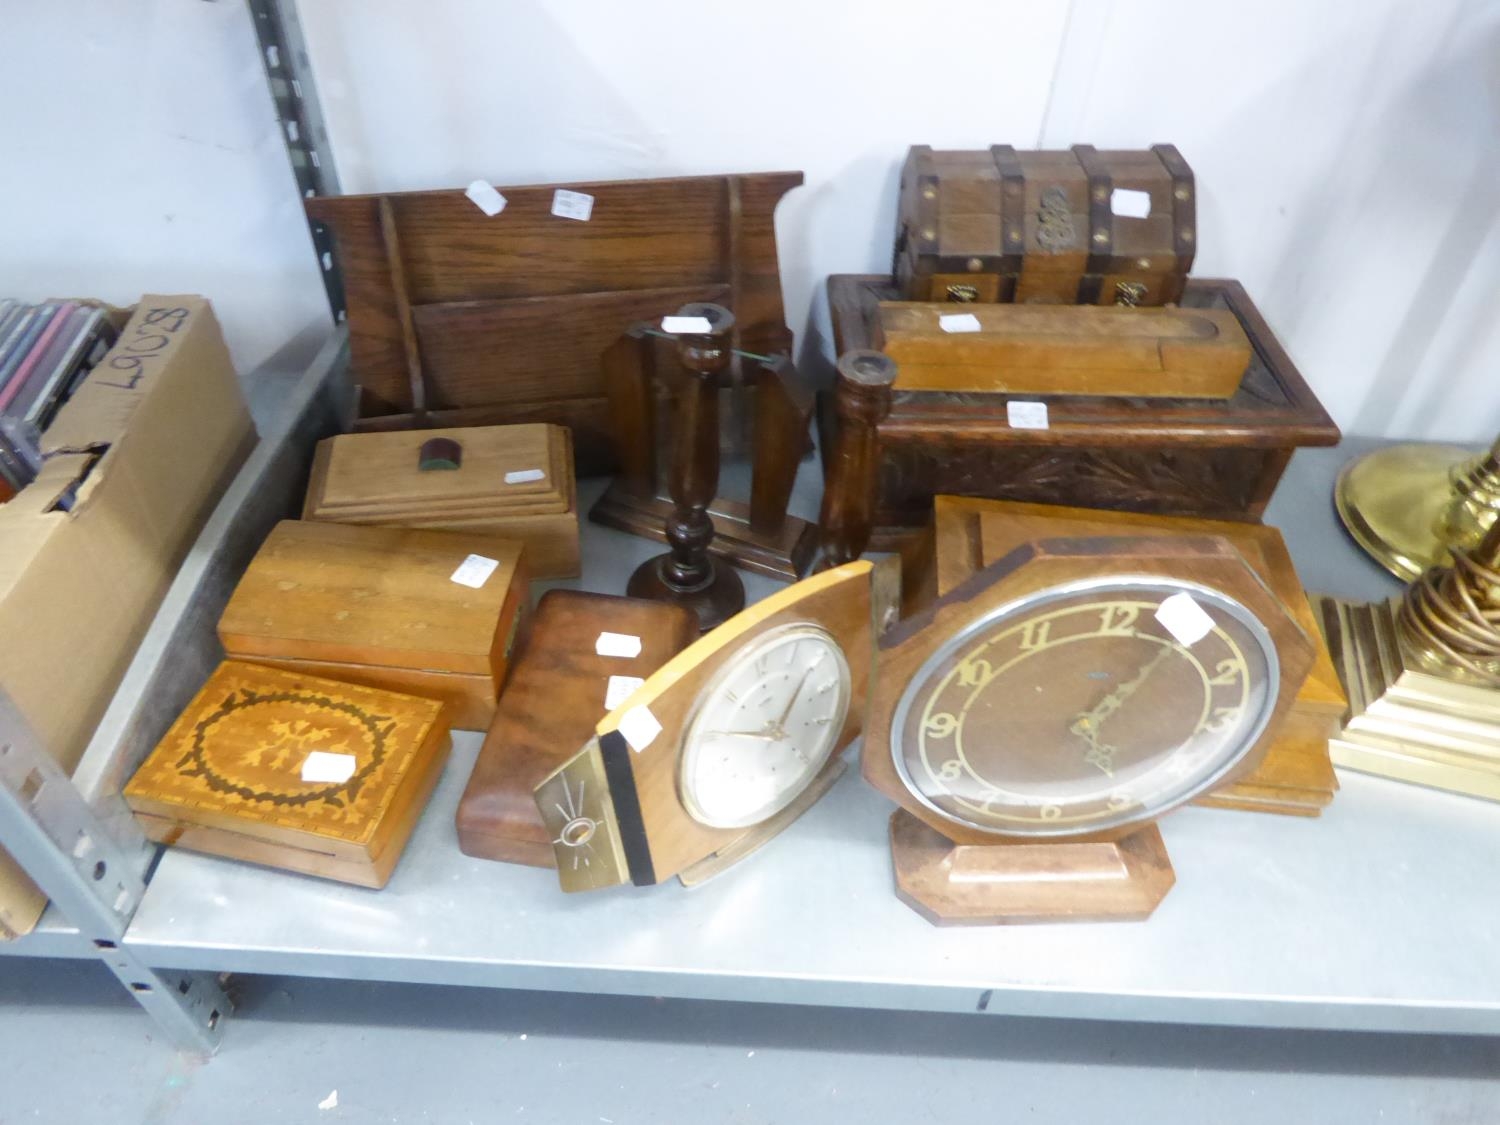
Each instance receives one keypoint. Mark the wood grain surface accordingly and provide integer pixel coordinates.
(372, 479)
(1067, 350)
(1041, 226)
(226, 778)
(376, 596)
(510, 313)
(551, 705)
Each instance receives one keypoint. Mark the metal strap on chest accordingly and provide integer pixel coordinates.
(923, 214)
(1101, 223)
(1184, 207)
(1012, 217)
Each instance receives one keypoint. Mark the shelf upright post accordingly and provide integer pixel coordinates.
(95, 874)
(289, 75)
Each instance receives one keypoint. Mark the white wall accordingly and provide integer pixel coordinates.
(141, 154)
(1349, 174)
(524, 91)
(1345, 149)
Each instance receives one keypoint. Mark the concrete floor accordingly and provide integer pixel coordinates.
(76, 1051)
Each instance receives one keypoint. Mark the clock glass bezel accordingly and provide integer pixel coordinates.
(693, 743)
(922, 686)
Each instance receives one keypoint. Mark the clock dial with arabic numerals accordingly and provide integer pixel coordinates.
(1075, 709)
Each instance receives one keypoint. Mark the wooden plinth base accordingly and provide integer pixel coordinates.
(715, 602)
(784, 554)
(1006, 883)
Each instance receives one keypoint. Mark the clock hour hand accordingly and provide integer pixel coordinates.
(1099, 755)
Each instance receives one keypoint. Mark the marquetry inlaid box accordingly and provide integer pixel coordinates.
(227, 779)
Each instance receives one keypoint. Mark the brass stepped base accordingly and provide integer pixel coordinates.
(1406, 721)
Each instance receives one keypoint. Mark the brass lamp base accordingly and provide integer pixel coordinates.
(1005, 883)
(1410, 719)
(1392, 501)
(1406, 505)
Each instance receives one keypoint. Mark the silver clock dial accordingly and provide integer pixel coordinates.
(764, 727)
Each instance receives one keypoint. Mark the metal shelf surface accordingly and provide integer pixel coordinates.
(1371, 917)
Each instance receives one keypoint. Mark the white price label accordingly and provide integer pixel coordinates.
(617, 644)
(958, 322)
(1129, 203)
(524, 476)
(686, 325)
(640, 728)
(1026, 415)
(485, 197)
(1185, 619)
(322, 768)
(475, 571)
(620, 689)
(572, 204)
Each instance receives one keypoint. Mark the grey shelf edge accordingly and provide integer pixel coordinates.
(68, 831)
(1365, 919)
(54, 937)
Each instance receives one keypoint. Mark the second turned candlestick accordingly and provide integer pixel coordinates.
(862, 397)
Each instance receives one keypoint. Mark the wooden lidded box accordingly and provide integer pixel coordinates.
(515, 481)
(1217, 458)
(228, 777)
(1076, 227)
(561, 687)
(431, 613)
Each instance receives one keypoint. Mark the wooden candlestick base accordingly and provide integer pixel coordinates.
(783, 552)
(715, 601)
(1006, 883)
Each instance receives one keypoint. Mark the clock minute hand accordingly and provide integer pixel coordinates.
(1093, 718)
(792, 701)
(741, 734)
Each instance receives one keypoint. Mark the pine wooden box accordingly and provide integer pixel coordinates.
(378, 606)
(377, 479)
(1066, 350)
(227, 777)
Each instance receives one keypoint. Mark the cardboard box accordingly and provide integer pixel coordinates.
(135, 462)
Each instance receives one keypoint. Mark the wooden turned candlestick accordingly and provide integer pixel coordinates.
(687, 574)
(862, 398)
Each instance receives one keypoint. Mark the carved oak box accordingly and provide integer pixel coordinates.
(1217, 458)
(293, 771)
(1077, 226)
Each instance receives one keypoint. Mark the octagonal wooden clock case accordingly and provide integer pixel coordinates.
(726, 743)
(1036, 721)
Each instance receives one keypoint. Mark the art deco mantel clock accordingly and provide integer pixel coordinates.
(726, 743)
(1035, 722)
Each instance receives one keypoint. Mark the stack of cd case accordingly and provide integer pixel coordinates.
(46, 351)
